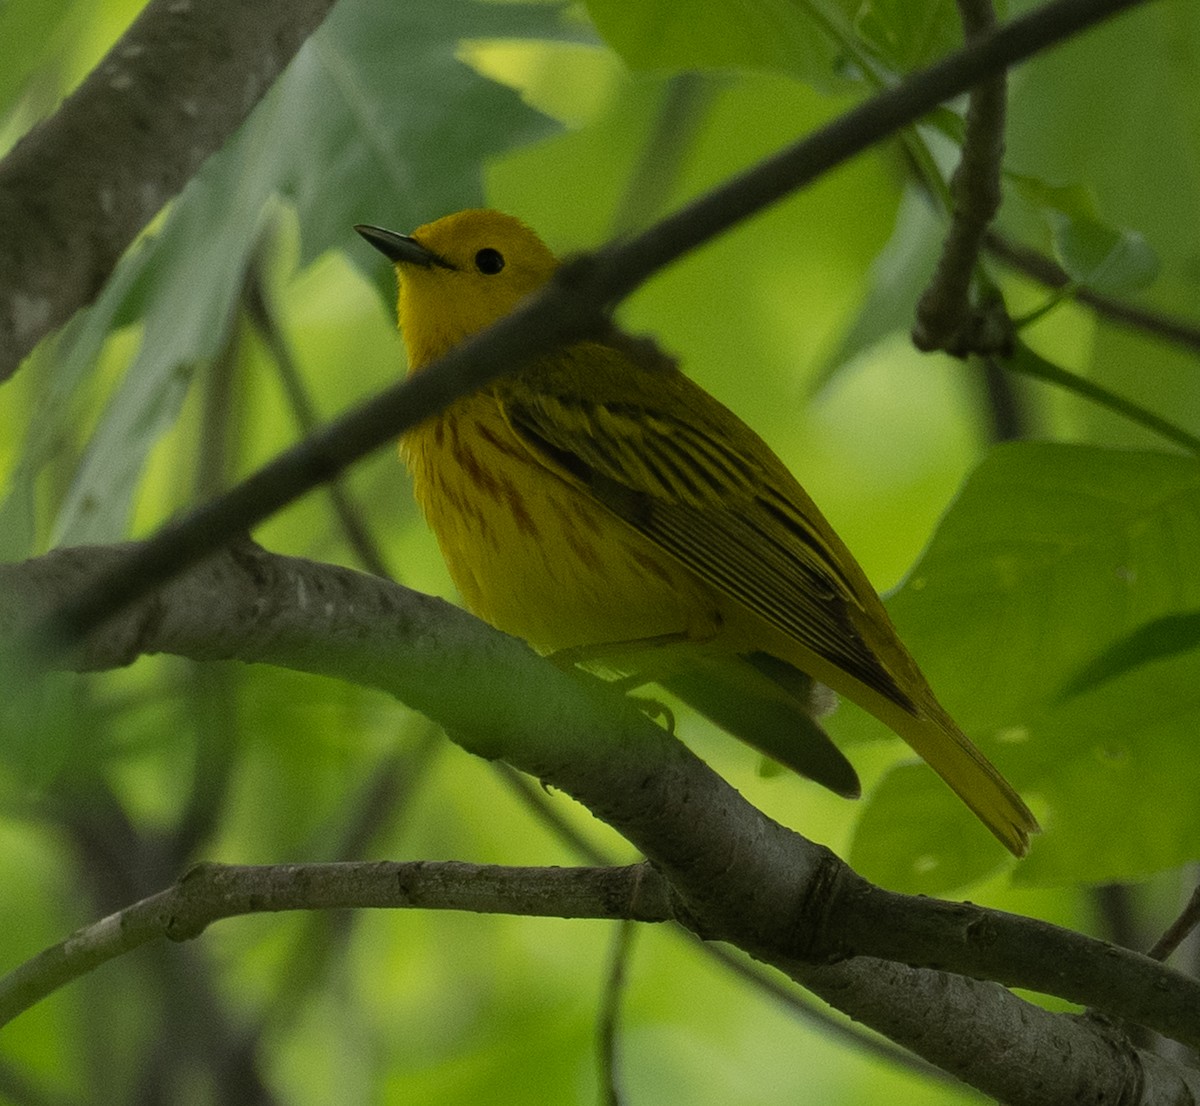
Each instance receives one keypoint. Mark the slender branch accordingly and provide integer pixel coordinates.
(1007, 418)
(79, 187)
(573, 306)
(1177, 931)
(210, 892)
(1170, 328)
(946, 319)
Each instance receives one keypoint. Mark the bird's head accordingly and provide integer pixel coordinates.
(459, 274)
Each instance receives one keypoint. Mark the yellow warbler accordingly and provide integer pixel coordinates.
(600, 502)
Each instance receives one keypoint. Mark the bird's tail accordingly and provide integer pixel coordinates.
(936, 738)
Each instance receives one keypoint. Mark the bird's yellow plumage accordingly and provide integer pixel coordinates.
(601, 501)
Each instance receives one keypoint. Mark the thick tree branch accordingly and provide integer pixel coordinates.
(1014, 1051)
(76, 189)
(736, 875)
(573, 306)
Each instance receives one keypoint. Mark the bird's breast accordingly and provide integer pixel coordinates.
(537, 556)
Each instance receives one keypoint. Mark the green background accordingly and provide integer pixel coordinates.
(1047, 586)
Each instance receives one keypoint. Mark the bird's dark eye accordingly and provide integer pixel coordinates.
(489, 261)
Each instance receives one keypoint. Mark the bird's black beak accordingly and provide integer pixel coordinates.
(401, 249)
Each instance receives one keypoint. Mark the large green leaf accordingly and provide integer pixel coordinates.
(1169, 636)
(375, 120)
(818, 40)
(722, 34)
(1051, 554)
(1119, 777)
(1105, 259)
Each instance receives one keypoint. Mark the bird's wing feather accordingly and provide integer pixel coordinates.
(705, 502)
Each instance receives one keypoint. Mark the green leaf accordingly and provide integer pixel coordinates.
(1093, 252)
(916, 836)
(1050, 555)
(1159, 639)
(1104, 258)
(1075, 200)
(908, 34)
(894, 283)
(1120, 778)
(373, 135)
(30, 31)
(719, 34)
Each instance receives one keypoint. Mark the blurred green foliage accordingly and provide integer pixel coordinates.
(1046, 558)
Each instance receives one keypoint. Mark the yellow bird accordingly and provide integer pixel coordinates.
(599, 502)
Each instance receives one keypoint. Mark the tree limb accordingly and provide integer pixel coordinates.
(735, 875)
(77, 189)
(210, 892)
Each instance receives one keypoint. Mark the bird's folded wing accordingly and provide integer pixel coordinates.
(700, 500)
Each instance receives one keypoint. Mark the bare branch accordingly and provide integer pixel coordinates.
(76, 189)
(1177, 931)
(1012, 1050)
(210, 892)
(608, 1027)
